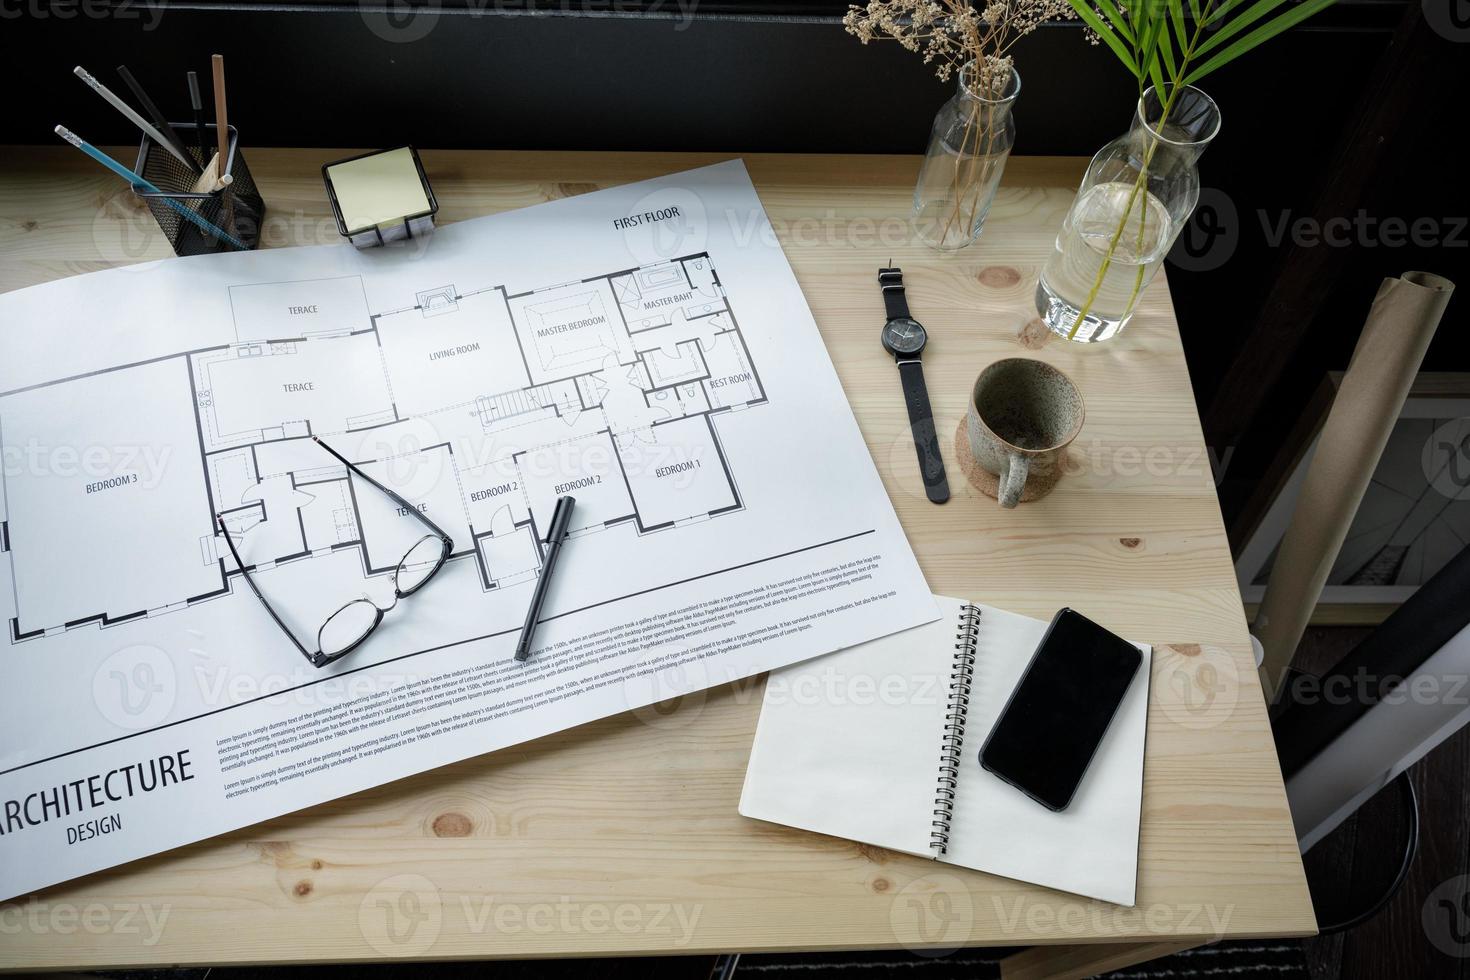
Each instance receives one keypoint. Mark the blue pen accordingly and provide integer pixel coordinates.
(138, 181)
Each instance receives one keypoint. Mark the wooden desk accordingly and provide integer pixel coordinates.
(622, 836)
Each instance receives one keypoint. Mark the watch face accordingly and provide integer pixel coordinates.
(904, 335)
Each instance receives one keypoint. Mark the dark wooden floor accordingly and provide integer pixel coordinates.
(1424, 932)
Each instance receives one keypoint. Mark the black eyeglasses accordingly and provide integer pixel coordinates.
(347, 628)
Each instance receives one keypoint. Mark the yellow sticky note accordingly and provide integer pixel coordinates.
(378, 189)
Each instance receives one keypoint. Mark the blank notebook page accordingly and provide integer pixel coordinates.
(848, 744)
(1090, 848)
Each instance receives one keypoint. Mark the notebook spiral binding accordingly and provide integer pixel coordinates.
(958, 708)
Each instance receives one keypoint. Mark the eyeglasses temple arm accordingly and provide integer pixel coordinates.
(250, 581)
(395, 497)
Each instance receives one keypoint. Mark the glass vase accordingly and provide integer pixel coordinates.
(968, 147)
(1134, 200)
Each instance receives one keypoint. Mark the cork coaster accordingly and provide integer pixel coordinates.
(1039, 485)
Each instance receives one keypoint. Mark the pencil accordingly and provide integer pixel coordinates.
(221, 122)
(132, 116)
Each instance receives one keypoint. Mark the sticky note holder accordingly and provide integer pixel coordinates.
(385, 187)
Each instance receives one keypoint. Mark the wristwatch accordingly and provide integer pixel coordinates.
(904, 338)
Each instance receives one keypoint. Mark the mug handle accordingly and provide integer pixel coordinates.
(1013, 481)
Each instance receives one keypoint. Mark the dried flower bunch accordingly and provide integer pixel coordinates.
(951, 34)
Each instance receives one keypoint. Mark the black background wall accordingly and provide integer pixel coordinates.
(730, 76)
(759, 76)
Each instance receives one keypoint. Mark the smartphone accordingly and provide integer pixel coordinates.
(1050, 728)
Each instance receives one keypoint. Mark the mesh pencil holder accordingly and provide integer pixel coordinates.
(226, 220)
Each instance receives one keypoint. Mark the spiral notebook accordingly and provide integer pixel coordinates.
(880, 743)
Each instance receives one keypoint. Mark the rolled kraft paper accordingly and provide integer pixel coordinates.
(1400, 324)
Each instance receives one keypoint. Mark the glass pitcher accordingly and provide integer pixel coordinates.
(1134, 200)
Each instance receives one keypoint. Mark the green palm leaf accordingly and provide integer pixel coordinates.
(1153, 42)
(1239, 23)
(1180, 38)
(1265, 32)
(1181, 33)
(1166, 56)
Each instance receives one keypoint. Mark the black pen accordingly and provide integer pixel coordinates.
(160, 121)
(560, 518)
(197, 104)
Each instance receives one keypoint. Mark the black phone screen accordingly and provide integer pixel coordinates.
(1047, 733)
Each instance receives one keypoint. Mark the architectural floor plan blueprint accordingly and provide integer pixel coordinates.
(644, 349)
(607, 388)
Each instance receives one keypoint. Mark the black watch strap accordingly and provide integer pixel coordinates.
(894, 301)
(921, 422)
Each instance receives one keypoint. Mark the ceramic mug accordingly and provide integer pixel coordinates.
(1023, 413)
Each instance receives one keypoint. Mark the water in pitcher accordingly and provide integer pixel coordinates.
(1071, 273)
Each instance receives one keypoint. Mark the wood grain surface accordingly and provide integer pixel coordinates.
(622, 837)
